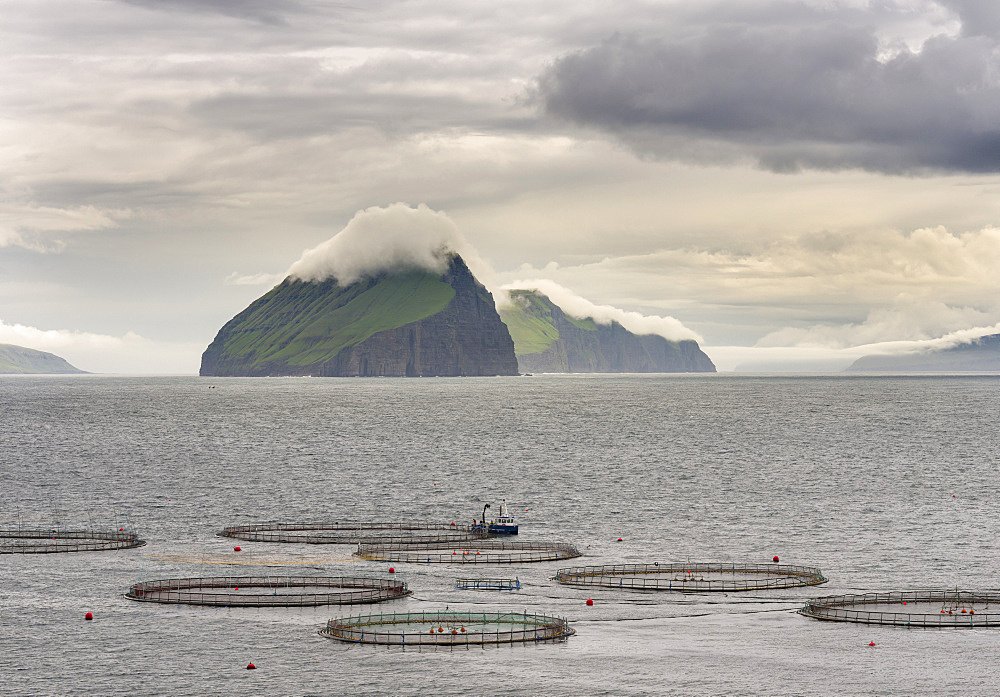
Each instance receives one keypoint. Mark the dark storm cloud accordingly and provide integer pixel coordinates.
(791, 95)
(979, 17)
(264, 11)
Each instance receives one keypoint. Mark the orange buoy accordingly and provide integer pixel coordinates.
(963, 610)
(237, 549)
(775, 558)
(251, 666)
(89, 616)
(432, 630)
(441, 630)
(590, 602)
(454, 631)
(972, 612)
(463, 629)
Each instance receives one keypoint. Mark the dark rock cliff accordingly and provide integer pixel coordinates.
(408, 324)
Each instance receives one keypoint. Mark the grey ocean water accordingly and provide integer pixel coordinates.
(883, 482)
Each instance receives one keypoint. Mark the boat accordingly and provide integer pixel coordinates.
(501, 524)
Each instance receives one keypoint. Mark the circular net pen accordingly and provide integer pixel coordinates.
(268, 591)
(351, 532)
(692, 578)
(16, 541)
(448, 628)
(927, 608)
(490, 551)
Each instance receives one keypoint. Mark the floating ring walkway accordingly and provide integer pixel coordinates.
(927, 608)
(268, 591)
(448, 628)
(351, 532)
(489, 551)
(14, 541)
(692, 578)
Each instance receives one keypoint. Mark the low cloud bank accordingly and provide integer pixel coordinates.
(103, 353)
(581, 308)
(388, 239)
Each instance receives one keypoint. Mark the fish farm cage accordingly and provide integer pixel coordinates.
(448, 628)
(268, 591)
(20, 541)
(351, 532)
(692, 578)
(922, 608)
(488, 551)
(488, 584)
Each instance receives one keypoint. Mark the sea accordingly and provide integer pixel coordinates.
(883, 482)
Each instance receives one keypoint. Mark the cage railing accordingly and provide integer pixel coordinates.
(942, 608)
(42, 541)
(692, 577)
(490, 551)
(201, 591)
(462, 628)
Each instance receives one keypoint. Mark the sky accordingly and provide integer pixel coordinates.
(794, 183)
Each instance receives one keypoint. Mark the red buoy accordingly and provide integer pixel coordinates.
(251, 666)
(590, 602)
(237, 549)
(775, 559)
(619, 539)
(89, 616)
(392, 569)
(871, 643)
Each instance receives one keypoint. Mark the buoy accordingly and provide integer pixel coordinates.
(392, 569)
(454, 631)
(237, 549)
(89, 616)
(236, 588)
(452, 523)
(251, 666)
(904, 602)
(121, 529)
(454, 553)
(972, 612)
(775, 558)
(590, 602)
(441, 630)
(619, 539)
(432, 630)
(871, 643)
(463, 629)
(953, 496)
(963, 610)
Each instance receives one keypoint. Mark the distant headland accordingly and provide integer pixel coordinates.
(18, 360)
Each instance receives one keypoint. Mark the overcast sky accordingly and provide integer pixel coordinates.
(804, 181)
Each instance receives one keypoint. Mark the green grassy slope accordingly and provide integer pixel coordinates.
(529, 319)
(20, 360)
(306, 323)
